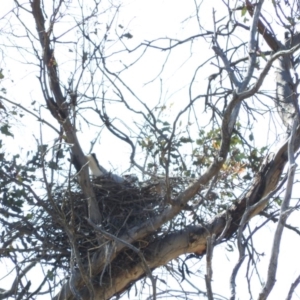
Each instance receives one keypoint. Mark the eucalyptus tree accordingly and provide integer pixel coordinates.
(208, 141)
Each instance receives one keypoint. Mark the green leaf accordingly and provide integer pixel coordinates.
(50, 275)
(186, 140)
(244, 10)
(29, 216)
(5, 130)
(42, 148)
(53, 165)
(187, 173)
(278, 201)
(150, 165)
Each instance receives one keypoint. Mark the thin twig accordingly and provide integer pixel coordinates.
(233, 276)
(14, 287)
(31, 113)
(227, 226)
(293, 287)
(209, 254)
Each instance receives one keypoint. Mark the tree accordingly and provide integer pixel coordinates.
(198, 173)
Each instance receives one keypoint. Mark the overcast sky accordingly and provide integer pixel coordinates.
(147, 20)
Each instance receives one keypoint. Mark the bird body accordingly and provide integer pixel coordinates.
(96, 169)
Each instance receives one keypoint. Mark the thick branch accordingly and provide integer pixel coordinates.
(58, 108)
(282, 219)
(264, 183)
(286, 95)
(193, 239)
(157, 254)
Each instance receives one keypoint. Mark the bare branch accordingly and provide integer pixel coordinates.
(209, 271)
(283, 217)
(31, 113)
(14, 288)
(293, 287)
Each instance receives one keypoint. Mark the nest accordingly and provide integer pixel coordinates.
(125, 205)
(60, 222)
(122, 206)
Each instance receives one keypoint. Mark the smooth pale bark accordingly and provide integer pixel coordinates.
(193, 238)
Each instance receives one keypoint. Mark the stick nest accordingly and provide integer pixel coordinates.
(122, 206)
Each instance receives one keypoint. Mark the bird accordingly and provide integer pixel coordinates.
(96, 169)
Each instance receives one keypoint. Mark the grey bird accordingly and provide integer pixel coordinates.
(97, 170)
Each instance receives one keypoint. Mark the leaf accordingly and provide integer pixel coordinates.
(185, 140)
(50, 275)
(42, 148)
(16, 209)
(128, 35)
(53, 165)
(244, 10)
(5, 130)
(263, 56)
(150, 165)
(187, 173)
(29, 216)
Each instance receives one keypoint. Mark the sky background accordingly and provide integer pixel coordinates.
(148, 20)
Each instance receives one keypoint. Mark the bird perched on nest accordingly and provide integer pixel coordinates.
(97, 170)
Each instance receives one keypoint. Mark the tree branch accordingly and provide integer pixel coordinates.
(282, 219)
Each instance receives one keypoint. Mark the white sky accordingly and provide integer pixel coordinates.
(147, 20)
